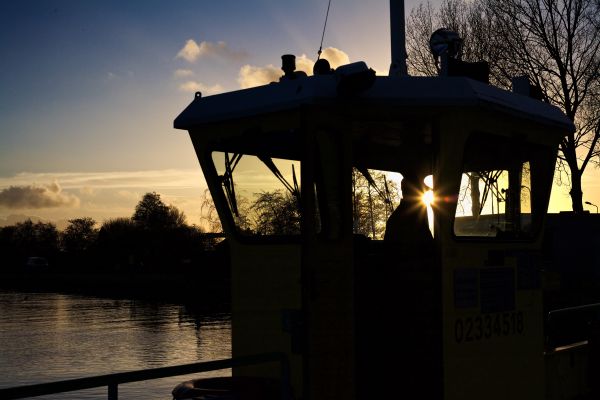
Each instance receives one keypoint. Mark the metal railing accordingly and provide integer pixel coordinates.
(572, 325)
(112, 381)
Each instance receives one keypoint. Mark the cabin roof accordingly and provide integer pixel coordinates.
(435, 92)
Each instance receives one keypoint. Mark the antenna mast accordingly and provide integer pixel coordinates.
(398, 39)
(323, 35)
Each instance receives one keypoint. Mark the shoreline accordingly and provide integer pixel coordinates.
(188, 288)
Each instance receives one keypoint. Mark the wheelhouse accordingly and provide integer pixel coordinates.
(388, 227)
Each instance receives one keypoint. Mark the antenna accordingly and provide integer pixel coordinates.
(398, 39)
(323, 35)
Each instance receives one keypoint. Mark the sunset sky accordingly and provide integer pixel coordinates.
(89, 91)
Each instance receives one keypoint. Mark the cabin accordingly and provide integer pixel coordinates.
(338, 262)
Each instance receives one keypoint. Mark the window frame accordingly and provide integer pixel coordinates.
(535, 215)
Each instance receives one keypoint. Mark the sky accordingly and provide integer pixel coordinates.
(89, 91)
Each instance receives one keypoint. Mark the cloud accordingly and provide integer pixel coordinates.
(129, 195)
(183, 73)
(87, 191)
(109, 180)
(336, 57)
(250, 76)
(104, 195)
(191, 51)
(37, 196)
(193, 86)
(303, 63)
(14, 219)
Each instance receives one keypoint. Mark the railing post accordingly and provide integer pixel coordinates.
(113, 391)
(286, 384)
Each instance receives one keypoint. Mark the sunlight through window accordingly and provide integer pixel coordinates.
(428, 198)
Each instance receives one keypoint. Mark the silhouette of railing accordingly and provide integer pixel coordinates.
(572, 325)
(112, 381)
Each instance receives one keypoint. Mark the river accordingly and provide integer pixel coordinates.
(46, 337)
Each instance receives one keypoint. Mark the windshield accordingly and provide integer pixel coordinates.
(263, 193)
(500, 178)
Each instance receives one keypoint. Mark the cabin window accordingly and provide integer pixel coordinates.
(387, 159)
(495, 196)
(375, 195)
(263, 193)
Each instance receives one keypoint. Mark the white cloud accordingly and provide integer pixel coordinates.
(95, 181)
(191, 51)
(220, 49)
(336, 57)
(193, 86)
(183, 73)
(303, 63)
(115, 193)
(36, 196)
(250, 76)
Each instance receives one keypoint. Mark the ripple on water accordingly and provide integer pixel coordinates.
(47, 336)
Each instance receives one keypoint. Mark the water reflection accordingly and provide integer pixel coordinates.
(46, 337)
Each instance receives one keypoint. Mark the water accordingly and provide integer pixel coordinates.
(46, 337)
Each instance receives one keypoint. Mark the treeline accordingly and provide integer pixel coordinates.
(155, 238)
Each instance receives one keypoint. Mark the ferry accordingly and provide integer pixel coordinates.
(439, 303)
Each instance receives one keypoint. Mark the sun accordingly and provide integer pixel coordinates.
(427, 198)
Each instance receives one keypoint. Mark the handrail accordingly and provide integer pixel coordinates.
(583, 307)
(572, 325)
(112, 381)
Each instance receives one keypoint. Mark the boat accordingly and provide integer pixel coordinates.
(445, 304)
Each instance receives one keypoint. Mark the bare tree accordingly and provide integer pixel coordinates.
(422, 21)
(276, 213)
(208, 213)
(557, 44)
(373, 201)
(554, 42)
(471, 20)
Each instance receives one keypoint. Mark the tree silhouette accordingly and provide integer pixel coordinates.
(27, 239)
(7, 249)
(208, 213)
(118, 243)
(156, 238)
(471, 20)
(79, 236)
(152, 214)
(372, 202)
(555, 43)
(276, 213)
(163, 236)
